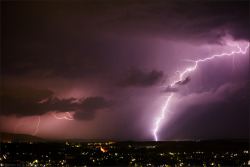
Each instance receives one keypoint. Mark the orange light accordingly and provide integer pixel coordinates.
(102, 149)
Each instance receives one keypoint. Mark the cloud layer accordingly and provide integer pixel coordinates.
(25, 101)
(96, 40)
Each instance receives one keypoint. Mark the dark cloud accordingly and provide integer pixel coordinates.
(184, 82)
(24, 94)
(75, 39)
(172, 89)
(205, 22)
(89, 106)
(169, 89)
(25, 101)
(137, 78)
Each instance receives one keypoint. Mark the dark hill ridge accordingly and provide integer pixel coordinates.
(19, 137)
(29, 138)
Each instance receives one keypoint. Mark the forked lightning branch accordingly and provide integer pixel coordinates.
(185, 73)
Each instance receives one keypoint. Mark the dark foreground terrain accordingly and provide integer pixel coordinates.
(189, 153)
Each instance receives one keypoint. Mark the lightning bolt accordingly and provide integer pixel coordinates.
(39, 120)
(65, 117)
(37, 127)
(69, 115)
(158, 120)
(190, 69)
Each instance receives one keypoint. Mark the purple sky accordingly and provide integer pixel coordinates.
(104, 62)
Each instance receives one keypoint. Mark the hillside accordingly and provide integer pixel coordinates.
(19, 137)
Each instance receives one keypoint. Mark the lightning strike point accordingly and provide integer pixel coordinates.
(158, 120)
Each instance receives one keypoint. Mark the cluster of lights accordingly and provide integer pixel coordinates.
(124, 156)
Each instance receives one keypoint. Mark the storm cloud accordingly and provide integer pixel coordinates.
(138, 78)
(25, 101)
(97, 33)
(184, 82)
(90, 105)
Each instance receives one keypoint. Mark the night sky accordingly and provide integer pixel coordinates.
(106, 66)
